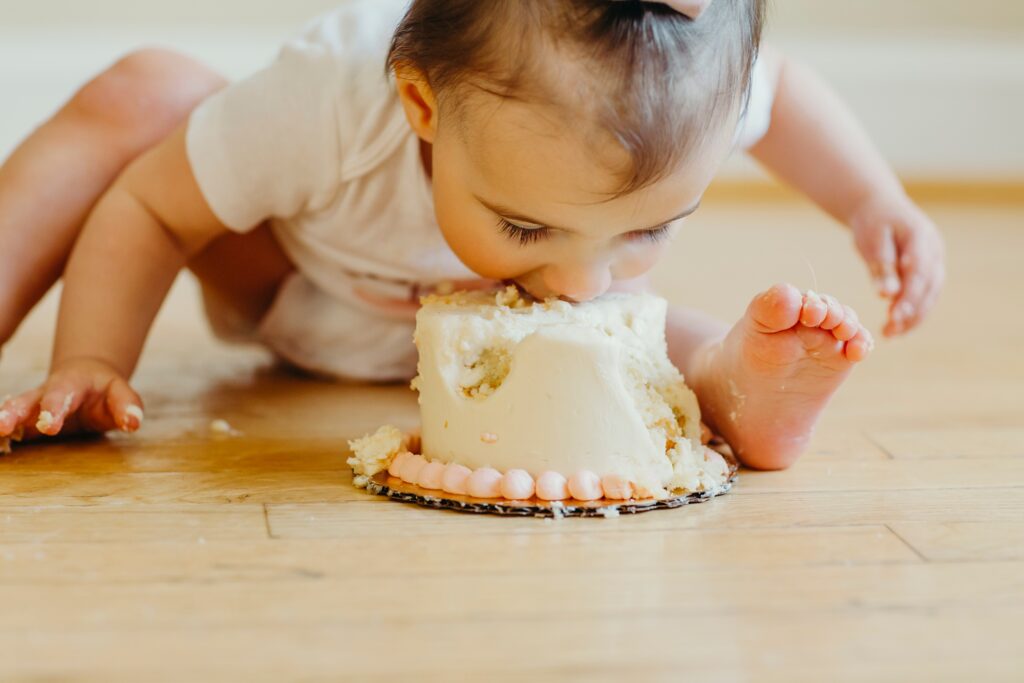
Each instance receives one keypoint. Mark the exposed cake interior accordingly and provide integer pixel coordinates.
(556, 387)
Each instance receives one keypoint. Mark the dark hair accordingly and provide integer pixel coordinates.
(667, 78)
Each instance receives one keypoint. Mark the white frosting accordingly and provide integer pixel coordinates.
(555, 386)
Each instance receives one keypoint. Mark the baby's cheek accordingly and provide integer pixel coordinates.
(486, 255)
(636, 262)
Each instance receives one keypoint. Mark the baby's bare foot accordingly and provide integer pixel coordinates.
(763, 386)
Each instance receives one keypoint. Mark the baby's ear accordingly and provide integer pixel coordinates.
(418, 101)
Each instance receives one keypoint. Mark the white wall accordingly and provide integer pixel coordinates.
(939, 84)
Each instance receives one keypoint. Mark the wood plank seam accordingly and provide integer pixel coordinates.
(907, 543)
(266, 521)
(877, 445)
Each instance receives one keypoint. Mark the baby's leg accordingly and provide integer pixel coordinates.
(51, 181)
(764, 383)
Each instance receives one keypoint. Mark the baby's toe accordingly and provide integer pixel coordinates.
(849, 327)
(776, 309)
(858, 348)
(835, 313)
(814, 310)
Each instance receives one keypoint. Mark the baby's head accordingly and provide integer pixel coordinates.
(568, 137)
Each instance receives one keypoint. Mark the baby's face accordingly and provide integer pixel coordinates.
(520, 196)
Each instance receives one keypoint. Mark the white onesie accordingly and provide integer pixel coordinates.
(318, 144)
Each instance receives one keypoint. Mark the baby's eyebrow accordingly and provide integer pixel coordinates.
(511, 214)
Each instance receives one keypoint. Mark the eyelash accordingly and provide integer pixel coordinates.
(522, 235)
(656, 235)
(527, 237)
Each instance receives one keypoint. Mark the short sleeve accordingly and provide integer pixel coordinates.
(758, 114)
(266, 146)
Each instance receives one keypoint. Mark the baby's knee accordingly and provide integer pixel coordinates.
(771, 457)
(148, 89)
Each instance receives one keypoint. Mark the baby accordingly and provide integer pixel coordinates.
(557, 144)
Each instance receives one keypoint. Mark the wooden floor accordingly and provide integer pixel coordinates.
(893, 551)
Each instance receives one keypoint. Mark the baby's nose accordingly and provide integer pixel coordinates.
(579, 283)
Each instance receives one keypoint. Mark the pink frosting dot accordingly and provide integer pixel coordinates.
(552, 486)
(410, 470)
(395, 468)
(454, 478)
(616, 487)
(430, 475)
(585, 485)
(484, 483)
(517, 485)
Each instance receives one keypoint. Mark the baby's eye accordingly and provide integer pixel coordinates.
(656, 235)
(525, 236)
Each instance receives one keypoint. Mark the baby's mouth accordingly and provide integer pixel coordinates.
(527, 290)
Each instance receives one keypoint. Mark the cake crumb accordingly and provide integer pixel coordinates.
(136, 412)
(374, 452)
(488, 437)
(223, 428)
(609, 512)
(46, 418)
(45, 421)
(511, 297)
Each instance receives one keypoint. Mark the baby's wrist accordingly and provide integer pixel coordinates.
(85, 362)
(867, 212)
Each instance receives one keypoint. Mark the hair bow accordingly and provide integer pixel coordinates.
(689, 8)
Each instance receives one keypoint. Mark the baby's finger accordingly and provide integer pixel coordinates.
(933, 293)
(16, 412)
(125, 406)
(928, 300)
(60, 399)
(916, 269)
(878, 247)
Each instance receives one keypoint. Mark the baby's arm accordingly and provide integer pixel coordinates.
(815, 143)
(141, 233)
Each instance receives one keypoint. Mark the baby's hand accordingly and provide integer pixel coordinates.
(906, 255)
(80, 395)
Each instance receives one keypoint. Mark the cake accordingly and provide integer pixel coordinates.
(546, 400)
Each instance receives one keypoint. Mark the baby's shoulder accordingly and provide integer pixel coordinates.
(354, 34)
(340, 62)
